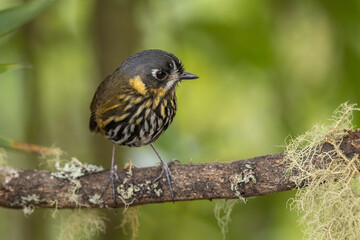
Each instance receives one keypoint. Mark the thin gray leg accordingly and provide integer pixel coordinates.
(165, 168)
(113, 174)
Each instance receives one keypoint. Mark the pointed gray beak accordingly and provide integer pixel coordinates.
(186, 75)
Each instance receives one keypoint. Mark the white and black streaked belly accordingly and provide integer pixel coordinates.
(141, 123)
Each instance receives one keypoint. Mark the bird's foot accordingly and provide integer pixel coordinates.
(113, 176)
(165, 169)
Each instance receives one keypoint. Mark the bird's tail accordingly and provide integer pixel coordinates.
(93, 124)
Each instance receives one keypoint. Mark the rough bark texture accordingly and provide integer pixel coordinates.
(242, 178)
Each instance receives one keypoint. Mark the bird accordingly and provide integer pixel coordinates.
(135, 104)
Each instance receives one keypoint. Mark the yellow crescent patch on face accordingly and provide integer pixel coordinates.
(137, 84)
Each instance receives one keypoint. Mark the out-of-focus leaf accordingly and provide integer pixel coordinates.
(11, 66)
(5, 142)
(14, 17)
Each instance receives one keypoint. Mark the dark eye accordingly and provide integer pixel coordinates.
(160, 75)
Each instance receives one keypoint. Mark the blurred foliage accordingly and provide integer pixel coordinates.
(11, 66)
(267, 69)
(14, 17)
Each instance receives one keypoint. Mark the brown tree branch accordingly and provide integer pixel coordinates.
(243, 178)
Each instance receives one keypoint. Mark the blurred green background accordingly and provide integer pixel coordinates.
(267, 69)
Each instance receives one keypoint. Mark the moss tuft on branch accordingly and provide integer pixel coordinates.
(330, 202)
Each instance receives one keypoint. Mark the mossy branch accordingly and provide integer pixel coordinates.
(81, 187)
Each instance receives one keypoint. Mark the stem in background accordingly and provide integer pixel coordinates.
(26, 147)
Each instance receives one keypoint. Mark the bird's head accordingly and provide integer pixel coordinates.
(154, 71)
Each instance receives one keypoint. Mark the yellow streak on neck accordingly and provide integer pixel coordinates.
(109, 108)
(137, 84)
(162, 111)
(156, 103)
(160, 92)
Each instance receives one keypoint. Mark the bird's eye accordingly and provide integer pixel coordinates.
(160, 75)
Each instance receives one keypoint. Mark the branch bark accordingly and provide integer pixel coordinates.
(243, 178)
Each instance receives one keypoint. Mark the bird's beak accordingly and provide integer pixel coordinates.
(186, 75)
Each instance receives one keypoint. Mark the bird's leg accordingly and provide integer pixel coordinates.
(113, 174)
(165, 168)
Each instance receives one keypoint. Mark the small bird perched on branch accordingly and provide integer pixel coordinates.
(136, 104)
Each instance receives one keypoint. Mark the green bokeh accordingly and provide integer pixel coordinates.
(268, 69)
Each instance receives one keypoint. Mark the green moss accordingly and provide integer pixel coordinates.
(329, 205)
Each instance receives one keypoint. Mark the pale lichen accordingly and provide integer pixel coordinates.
(28, 203)
(96, 199)
(49, 159)
(136, 188)
(131, 218)
(222, 212)
(8, 174)
(237, 181)
(126, 193)
(129, 166)
(329, 203)
(158, 192)
(74, 197)
(28, 210)
(82, 224)
(74, 169)
(55, 203)
(71, 171)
